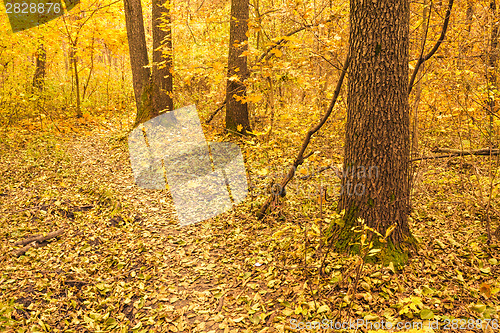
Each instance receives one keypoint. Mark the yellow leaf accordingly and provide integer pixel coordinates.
(323, 308)
(254, 98)
(218, 66)
(239, 127)
(263, 172)
(277, 52)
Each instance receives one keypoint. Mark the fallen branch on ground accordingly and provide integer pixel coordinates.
(35, 241)
(482, 151)
(457, 152)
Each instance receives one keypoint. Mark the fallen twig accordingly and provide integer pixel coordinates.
(483, 151)
(34, 241)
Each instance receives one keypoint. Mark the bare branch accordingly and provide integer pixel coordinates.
(300, 157)
(423, 59)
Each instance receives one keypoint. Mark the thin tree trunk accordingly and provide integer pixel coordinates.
(492, 61)
(414, 126)
(91, 69)
(39, 76)
(236, 106)
(492, 108)
(74, 61)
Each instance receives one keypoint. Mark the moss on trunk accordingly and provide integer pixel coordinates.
(345, 239)
(145, 110)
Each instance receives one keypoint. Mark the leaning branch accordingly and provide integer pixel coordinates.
(300, 157)
(423, 59)
(215, 112)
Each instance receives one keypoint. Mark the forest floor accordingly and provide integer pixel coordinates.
(123, 264)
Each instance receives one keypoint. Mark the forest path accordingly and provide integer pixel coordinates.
(123, 255)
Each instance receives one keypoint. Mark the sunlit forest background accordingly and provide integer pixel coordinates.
(451, 95)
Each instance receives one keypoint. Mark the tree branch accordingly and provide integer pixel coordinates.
(283, 39)
(300, 157)
(423, 59)
(215, 113)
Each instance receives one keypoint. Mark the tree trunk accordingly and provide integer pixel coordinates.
(74, 60)
(236, 106)
(141, 75)
(162, 58)
(39, 76)
(375, 182)
(492, 104)
(492, 62)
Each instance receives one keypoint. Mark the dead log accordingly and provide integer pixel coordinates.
(483, 151)
(35, 241)
(457, 152)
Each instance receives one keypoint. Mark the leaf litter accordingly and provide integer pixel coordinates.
(123, 264)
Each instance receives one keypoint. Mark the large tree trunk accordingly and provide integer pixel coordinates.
(141, 75)
(162, 57)
(375, 182)
(236, 106)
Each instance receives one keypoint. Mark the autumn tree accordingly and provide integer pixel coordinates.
(375, 182)
(236, 106)
(73, 55)
(40, 64)
(141, 75)
(162, 58)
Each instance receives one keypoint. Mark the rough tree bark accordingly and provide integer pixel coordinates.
(492, 61)
(141, 75)
(162, 58)
(375, 182)
(39, 76)
(236, 106)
